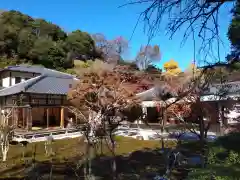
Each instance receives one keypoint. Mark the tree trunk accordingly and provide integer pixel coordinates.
(164, 119)
(23, 152)
(114, 165)
(202, 140)
(86, 162)
(87, 168)
(4, 152)
(51, 170)
(91, 151)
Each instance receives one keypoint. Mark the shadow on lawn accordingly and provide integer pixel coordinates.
(223, 158)
(229, 142)
(144, 164)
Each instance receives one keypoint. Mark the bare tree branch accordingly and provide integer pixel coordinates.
(195, 16)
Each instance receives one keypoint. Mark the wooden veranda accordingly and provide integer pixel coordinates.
(35, 111)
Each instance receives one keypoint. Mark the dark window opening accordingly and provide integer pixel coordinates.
(17, 80)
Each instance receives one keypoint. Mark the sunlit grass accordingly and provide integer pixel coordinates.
(68, 150)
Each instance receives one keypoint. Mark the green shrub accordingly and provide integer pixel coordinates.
(233, 158)
(70, 71)
(223, 160)
(83, 64)
(216, 155)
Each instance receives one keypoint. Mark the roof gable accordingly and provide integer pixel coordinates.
(17, 88)
(156, 93)
(38, 70)
(48, 82)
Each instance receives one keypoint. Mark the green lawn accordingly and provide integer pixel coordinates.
(76, 146)
(140, 154)
(141, 158)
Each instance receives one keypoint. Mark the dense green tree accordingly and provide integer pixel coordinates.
(8, 38)
(39, 53)
(81, 44)
(16, 18)
(46, 29)
(233, 33)
(39, 41)
(26, 41)
(57, 56)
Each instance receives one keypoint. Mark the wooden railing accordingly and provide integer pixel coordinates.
(43, 134)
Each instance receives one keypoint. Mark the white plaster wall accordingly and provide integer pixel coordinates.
(229, 87)
(233, 115)
(6, 77)
(5, 82)
(12, 80)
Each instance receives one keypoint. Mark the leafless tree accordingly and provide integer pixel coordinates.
(112, 50)
(104, 95)
(48, 145)
(198, 18)
(147, 55)
(6, 132)
(189, 105)
(7, 127)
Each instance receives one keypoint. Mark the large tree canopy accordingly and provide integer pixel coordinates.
(81, 44)
(24, 38)
(233, 33)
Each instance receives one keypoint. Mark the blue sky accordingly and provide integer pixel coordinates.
(104, 16)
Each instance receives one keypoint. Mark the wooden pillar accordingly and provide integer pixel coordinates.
(144, 115)
(29, 119)
(13, 118)
(164, 120)
(47, 114)
(224, 119)
(24, 114)
(1, 116)
(220, 115)
(76, 122)
(62, 118)
(16, 116)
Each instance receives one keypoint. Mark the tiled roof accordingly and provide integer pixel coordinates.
(51, 85)
(37, 70)
(155, 93)
(225, 88)
(48, 82)
(41, 84)
(17, 88)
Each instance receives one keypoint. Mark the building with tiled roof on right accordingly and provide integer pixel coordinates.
(224, 94)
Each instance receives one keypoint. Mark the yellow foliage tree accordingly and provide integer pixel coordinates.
(171, 67)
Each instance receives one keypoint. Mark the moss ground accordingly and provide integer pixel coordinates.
(133, 157)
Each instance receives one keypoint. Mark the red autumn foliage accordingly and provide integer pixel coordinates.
(105, 88)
